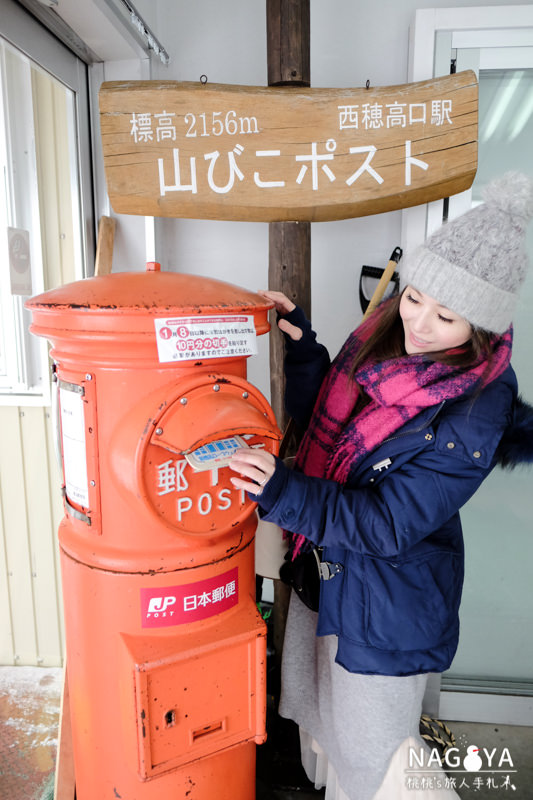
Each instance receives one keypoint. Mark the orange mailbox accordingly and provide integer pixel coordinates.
(166, 649)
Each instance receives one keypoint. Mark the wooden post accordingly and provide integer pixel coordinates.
(289, 268)
(289, 271)
(289, 262)
(288, 37)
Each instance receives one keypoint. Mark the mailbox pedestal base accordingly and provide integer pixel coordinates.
(165, 710)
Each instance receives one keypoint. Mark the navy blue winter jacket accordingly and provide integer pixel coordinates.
(394, 527)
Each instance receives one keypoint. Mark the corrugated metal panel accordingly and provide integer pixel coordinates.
(30, 511)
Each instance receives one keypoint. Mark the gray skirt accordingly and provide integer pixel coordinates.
(358, 720)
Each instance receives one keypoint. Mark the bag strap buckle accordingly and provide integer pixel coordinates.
(327, 569)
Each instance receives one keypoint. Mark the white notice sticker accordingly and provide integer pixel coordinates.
(74, 447)
(198, 338)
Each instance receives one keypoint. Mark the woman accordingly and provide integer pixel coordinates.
(403, 427)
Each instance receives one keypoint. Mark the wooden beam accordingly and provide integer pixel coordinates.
(288, 37)
(289, 261)
(289, 268)
(289, 271)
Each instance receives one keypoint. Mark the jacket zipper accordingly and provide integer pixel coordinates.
(416, 430)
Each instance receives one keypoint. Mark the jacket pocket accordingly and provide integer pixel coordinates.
(413, 605)
(351, 607)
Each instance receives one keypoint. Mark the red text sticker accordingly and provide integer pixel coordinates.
(177, 605)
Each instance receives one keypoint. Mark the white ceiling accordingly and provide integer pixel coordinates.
(99, 30)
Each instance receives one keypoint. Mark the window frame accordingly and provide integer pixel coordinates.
(435, 32)
(427, 31)
(29, 362)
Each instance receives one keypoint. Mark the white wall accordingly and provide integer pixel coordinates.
(351, 41)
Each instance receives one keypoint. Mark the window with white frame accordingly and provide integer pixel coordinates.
(20, 244)
(491, 678)
(42, 240)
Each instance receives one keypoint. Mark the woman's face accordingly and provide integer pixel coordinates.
(428, 326)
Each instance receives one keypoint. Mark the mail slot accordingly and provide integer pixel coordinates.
(166, 650)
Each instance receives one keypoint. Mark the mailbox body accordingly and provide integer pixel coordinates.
(165, 647)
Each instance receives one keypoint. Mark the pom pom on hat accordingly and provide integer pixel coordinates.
(475, 264)
(513, 194)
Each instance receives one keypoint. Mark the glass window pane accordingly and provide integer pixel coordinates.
(497, 607)
(40, 219)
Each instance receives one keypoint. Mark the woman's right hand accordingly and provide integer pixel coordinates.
(283, 306)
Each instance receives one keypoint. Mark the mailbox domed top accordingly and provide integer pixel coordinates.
(149, 293)
(119, 316)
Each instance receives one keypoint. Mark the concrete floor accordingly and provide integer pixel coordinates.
(29, 715)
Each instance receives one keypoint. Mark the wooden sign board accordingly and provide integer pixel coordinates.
(286, 153)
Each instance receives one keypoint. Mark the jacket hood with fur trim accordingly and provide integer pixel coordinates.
(516, 445)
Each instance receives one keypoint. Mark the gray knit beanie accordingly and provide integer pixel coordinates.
(475, 264)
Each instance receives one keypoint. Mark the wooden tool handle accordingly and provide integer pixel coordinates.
(104, 248)
(384, 281)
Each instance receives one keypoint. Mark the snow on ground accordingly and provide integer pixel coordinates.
(29, 704)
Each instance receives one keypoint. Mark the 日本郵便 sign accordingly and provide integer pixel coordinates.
(268, 154)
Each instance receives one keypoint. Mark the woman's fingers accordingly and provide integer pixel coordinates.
(254, 463)
(281, 301)
(292, 330)
(283, 306)
(254, 467)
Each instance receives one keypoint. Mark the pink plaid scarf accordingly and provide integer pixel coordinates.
(399, 388)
